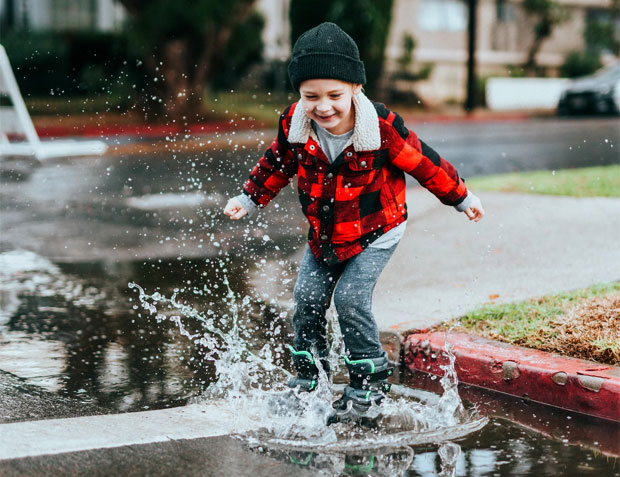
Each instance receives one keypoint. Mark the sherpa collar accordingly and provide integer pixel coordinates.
(366, 134)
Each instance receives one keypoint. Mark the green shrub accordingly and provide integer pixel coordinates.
(72, 64)
(580, 63)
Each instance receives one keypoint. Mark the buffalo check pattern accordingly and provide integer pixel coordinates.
(361, 195)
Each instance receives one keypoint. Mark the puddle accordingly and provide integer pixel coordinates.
(80, 333)
(73, 329)
(251, 379)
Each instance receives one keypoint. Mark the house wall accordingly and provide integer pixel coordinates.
(500, 41)
(60, 15)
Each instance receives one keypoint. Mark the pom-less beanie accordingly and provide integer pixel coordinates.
(326, 52)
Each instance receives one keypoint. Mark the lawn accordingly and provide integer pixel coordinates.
(582, 324)
(583, 182)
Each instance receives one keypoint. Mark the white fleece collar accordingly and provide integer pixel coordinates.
(366, 134)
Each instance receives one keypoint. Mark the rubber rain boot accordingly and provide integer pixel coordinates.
(290, 403)
(368, 387)
(307, 371)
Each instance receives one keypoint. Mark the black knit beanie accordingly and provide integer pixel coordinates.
(326, 52)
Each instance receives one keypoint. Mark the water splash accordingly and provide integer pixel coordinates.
(225, 342)
(251, 382)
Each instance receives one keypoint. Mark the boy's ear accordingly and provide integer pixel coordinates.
(357, 88)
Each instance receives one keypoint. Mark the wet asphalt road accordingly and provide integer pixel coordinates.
(167, 206)
(510, 146)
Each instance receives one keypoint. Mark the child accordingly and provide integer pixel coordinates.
(350, 156)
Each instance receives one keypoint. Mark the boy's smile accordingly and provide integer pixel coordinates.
(329, 103)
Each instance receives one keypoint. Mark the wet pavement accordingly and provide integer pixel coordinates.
(500, 450)
(76, 232)
(522, 438)
(210, 456)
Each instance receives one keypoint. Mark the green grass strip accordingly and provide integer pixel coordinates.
(601, 181)
(522, 322)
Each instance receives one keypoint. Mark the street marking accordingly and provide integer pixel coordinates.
(57, 436)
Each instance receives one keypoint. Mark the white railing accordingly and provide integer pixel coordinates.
(15, 120)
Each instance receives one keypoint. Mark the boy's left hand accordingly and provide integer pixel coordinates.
(475, 211)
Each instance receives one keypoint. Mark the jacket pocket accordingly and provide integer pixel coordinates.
(367, 161)
(362, 170)
(307, 172)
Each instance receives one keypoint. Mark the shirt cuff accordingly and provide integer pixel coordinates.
(248, 204)
(463, 206)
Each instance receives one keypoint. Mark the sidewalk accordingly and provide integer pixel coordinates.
(526, 246)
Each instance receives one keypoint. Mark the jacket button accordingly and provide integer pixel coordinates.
(323, 237)
(329, 175)
(300, 157)
(363, 163)
(349, 154)
(326, 208)
(312, 147)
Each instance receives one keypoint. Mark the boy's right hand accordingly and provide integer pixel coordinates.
(234, 209)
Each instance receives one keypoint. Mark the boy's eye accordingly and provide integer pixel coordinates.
(336, 96)
(309, 97)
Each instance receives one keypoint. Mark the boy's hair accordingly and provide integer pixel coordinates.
(326, 52)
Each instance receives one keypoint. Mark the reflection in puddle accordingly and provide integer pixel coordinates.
(41, 363)
(72, 329)
(500, 449)
(396, 462)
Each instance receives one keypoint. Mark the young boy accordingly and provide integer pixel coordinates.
(350, 156)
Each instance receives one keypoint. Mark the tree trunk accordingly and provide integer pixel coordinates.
(181, 101)
(531, 65)
(181, 74)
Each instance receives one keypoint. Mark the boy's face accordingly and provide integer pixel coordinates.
(329, 103)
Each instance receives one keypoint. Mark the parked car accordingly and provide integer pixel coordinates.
(595, 94)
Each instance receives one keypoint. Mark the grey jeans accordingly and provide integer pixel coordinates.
(352, 284)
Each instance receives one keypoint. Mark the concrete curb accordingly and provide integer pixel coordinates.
(577, 385)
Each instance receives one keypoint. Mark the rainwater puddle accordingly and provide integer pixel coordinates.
(82, 335)
(73, 329)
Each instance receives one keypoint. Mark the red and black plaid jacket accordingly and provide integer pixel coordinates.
(361, 195)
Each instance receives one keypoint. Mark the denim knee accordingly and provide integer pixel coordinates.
(352, 303)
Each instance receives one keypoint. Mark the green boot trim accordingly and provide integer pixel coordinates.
(296, 353)
(354, 362)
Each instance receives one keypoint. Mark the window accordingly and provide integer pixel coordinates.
(505, 11)
(443, 15)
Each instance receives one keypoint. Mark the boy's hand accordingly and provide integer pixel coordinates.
(234, 209)
(475, 211)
